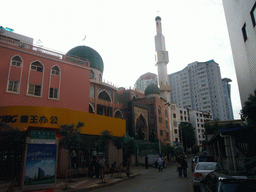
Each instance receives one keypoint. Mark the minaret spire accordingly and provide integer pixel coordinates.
(162, 59)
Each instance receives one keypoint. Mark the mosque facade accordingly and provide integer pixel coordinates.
(42, 89)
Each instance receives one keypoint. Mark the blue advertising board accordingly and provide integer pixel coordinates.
(40, 165)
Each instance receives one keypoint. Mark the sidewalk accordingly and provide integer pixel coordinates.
(88, 184)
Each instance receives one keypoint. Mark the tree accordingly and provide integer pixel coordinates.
(187, 135)
(248, 111)
(12, 143)
(71, 140)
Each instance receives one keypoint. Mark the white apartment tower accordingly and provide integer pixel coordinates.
(199, 87)
(241, 23)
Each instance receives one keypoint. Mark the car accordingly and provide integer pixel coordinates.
(220, 181)
(201, 171)
(201, 158)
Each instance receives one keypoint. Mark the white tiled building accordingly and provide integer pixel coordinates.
(196, 118)
(199, 87)
(241, 23)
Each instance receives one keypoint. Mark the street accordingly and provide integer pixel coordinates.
(154, 180)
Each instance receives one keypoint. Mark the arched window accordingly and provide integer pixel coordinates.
(104, 96)
(16, 61)
(55, 70)
(118, 114)
(36, 72)
(14, 76)
(37, 66)
(92, 75)
(91, 110)
(159, 110)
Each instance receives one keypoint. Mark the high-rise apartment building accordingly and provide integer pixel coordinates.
(242, 34)
(199, 87)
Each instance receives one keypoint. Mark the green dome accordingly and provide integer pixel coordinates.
(90, 54)
(152, 89)
(158, 18)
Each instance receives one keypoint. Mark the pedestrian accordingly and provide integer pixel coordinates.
(90, 168)
(156, 162)
(160, 163)
(146, 161)
(97, 167)
(179, 168)
(128, 167)
(102, 167)
(184, 166)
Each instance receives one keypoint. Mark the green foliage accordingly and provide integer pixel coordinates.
(188, 135)
(103, 141)
(179, 151)
(129, 146)
(167, 149)
(71, 139)
(250, 164)
(249, 110)
(10, 138)
(118, 142)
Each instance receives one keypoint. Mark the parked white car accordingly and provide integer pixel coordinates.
(201, 171)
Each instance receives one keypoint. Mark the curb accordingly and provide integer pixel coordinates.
(98, 185)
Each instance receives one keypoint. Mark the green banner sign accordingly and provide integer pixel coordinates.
(44, 135)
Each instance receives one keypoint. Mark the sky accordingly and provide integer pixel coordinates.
(122, 32)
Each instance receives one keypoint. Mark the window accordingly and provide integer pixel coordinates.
(16, 61)
(166, 114)
(53, 93)
(244, 33)
(37, 66)
(34, 90)
(161, 132)
(166, 124)
(13, 86)
(253, 15)
(160, 119)
(100, 78)
(159, 110)
(55, 70)
(174, 115)
(175, 131)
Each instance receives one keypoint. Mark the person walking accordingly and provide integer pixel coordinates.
(156, 162)
(102, 167)
(160, 163)
(146, 161)
(179, 168)
(184, 166)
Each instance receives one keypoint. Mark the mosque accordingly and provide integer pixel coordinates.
(42, 89)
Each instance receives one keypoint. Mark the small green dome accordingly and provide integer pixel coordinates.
(152, 89)
(90, 54)
(158, 18)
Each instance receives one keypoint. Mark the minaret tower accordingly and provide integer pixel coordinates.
(162, 58)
